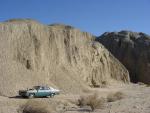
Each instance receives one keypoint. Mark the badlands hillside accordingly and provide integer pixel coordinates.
(133, 50)
(56, 55)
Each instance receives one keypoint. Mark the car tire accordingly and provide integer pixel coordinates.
(48, 96)
(52, 95)
(31, 96)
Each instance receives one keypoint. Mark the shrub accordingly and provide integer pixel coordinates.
(86, 90)
(141, 83)
(115, 96)
(35, 107)
(93, 101)
(94, 84)
(147, 85)
(104, 84)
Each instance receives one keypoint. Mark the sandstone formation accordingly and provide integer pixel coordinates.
(133, 50)
(61, 56)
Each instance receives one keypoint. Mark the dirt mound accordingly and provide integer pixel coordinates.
(61, 56)
(133, 50)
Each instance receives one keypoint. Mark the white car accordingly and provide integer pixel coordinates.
(39, 91)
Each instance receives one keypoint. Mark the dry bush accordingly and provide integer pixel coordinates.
(86, 90)
(141, 83)
(115, 96)
(1, 94)
(35, 107)
(93, 101)
(104, 84)
(64, 105)
(147, 85)
(94, 84)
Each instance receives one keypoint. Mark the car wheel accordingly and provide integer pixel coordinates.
(31, 96)
(48, 96)
(52, 95)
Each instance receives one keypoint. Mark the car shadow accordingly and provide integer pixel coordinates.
(18, 97)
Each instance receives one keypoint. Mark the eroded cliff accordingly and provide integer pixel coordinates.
(61, 56)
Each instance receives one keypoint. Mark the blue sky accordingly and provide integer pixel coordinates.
(94, 16)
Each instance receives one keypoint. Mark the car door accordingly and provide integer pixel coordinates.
(47, 91)
(41, 92)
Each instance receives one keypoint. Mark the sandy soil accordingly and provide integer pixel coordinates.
(137, 100)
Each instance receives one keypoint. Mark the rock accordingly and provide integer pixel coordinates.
(57, 55)
(132, 49)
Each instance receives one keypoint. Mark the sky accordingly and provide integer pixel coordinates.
(94, 16)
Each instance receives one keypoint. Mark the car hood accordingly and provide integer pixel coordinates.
(22, 90)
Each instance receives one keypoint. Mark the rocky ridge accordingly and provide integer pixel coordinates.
(132, 49)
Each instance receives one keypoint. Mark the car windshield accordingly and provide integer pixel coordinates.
(51, 88)
(36, 87)
(41, 87)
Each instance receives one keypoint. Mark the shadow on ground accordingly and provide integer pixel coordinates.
(18, 97)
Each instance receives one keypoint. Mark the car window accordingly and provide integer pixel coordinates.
(42, 88)
(46, 88)
(36, 87)
(51, 88)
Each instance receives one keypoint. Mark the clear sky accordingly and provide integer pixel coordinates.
(94, 16)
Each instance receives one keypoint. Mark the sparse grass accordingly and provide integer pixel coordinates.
(86, 90)
(95, 85)
(1, 94)
(147, 85)
(141, 83)
(115, 96)
(104, 84)
(35, 107)
(93, 101)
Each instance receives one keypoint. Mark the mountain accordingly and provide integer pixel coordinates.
(32, 53)
(132, 49)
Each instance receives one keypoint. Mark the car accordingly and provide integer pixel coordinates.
(39, 91)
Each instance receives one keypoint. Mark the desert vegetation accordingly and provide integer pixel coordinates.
(115, 96)
(33, 106)
(92, 100)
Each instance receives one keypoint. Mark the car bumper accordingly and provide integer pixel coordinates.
(23, 94)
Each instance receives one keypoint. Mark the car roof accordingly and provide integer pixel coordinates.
(40, 86)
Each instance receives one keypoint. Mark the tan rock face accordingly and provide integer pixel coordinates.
(61, 56)
(133, 50)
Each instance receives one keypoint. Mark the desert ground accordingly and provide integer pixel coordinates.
(136, 100)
